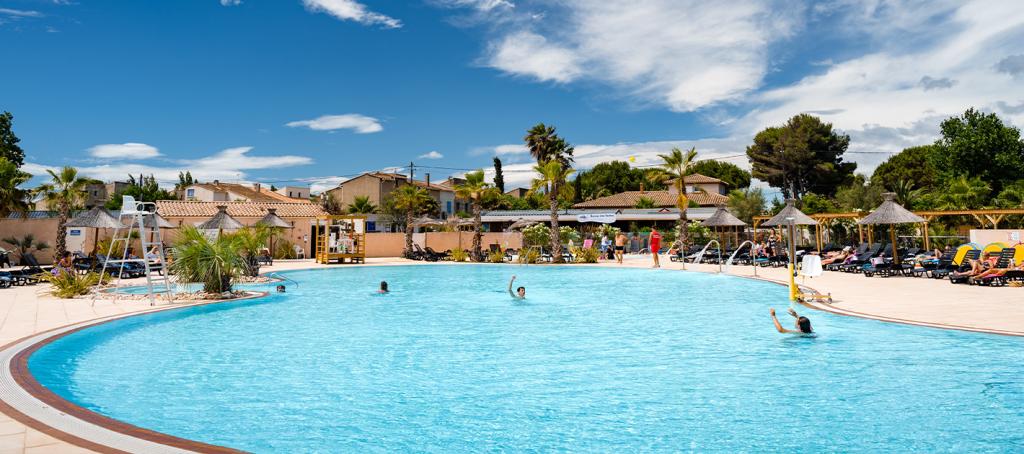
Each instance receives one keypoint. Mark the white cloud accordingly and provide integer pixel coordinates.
(353, 11)
(501, 150)
(681, 54)
(127, 150)
(230, 2)
(16, 13)
(361, 124)
(479, 5)
(431, 155)
(228, 165)
(878, 99)
(529, 54)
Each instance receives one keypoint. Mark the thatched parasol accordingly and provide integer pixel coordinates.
(790, 211)
(221, 221)
(97, 218)
(426, 221)
(272, 220)
(723, 218)
(891, 213)
(521, 224)
(160, 221)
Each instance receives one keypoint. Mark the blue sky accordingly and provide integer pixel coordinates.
(311, 91)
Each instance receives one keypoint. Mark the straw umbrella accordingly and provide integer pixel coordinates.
(426, 221)
(96, 218)
(521, 224)
(790, 217)
(891, 213)
(221, 221)
(272, 220)
(723, 218)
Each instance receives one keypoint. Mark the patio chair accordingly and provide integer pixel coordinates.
(430, 255)
(6, 280)
(955, 276)
(1004, 261)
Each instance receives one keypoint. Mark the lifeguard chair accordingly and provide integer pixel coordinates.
(341, 238)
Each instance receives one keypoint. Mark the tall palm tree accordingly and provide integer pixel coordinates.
(962, 193)
(361, 205)
(906, 193)
(676, 166)
(410, 199)
(12, 198)
(551, 181)
(476, 190)
(65, 191)
(547, 147)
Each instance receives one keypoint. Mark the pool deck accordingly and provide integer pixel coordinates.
(26, 311)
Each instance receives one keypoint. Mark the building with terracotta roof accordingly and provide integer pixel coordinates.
(376, 186)
(301, 215)
(217, 191)
(703, 190)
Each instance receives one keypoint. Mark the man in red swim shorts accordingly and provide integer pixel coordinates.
(655, 242)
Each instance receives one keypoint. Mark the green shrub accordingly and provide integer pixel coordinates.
(459, 255)
(496, 256)
(284, 249)
(70, 284)
(585, 255)
(213, 262)
(530, 255)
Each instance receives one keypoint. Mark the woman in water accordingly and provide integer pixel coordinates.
(520, 293)
(803, 324)
(383, 287)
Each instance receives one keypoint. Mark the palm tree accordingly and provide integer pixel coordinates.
(250, 241)
(655, 180)
(12, 198)
(214, 262)
(65, 192)
(410, 199)
(545, 145)
(475, 189)
(677, 165)
(906, 193)
(551, 181)
(1011, 196)
(361, 205)
(962, 193)
(644, 202)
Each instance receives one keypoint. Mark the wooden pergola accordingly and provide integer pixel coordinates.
(987, 219)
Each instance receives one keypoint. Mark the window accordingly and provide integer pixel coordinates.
(371, 226)
(448, 207)
(290, 194)
(190, 193)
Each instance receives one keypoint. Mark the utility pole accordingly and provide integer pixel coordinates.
(412, 175)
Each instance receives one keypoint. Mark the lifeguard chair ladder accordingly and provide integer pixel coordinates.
(155, 262)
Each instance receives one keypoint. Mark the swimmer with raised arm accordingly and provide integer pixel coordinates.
(803, 324)
(520, 293)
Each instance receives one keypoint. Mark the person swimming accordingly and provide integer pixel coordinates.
(803, 324)
(383, 287)
(280, 289)
(520, 293)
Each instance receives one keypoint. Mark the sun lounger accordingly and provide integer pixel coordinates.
(1004, 261)
(956, 276)
(6, 280)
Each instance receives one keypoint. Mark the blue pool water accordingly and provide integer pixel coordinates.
(595, 360)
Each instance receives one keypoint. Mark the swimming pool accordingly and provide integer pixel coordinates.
(596, 360)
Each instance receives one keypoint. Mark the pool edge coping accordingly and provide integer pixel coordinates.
(17, 370)
(19, 373)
